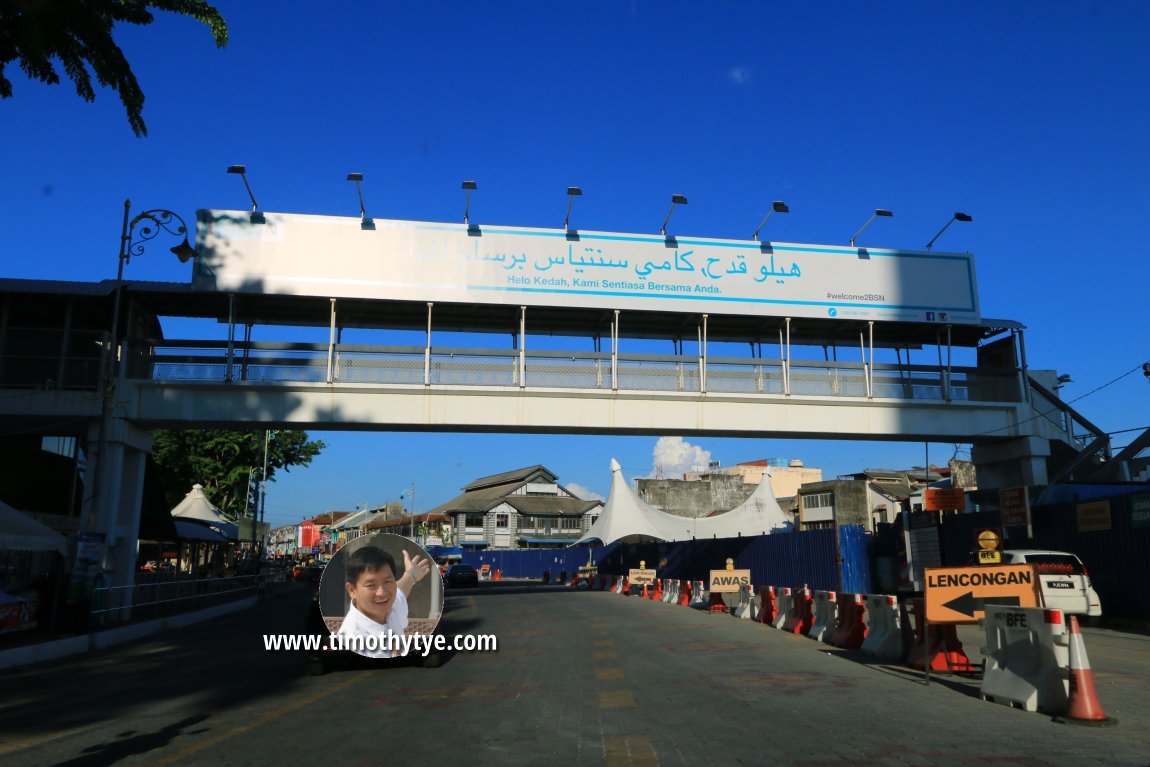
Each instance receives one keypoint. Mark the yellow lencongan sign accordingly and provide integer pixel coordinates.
(644, 576)
(960, 594)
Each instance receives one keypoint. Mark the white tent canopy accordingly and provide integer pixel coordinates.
(19, 532)
(627, 518)
(198, 508)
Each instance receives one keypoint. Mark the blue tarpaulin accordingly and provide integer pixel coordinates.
(445, 551)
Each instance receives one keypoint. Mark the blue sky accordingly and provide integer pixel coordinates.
(1031, 117)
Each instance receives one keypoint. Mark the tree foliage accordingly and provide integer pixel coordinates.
(227, 463)
(78, 34)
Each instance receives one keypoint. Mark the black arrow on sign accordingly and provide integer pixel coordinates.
(968, 603)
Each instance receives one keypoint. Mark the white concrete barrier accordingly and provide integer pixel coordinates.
(743, 607)
(1027, 658)
(700, 598)
(825, 613)
(784, 602)
(884, 630)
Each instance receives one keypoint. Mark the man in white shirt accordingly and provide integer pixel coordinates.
(379, 599)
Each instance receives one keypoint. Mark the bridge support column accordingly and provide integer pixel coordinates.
(1020, 461)
(113, 512)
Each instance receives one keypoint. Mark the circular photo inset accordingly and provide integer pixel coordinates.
(379, 591)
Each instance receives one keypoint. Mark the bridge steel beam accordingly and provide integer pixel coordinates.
(511, 409)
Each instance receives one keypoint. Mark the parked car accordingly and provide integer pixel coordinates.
(1065, 582)
(461, 575)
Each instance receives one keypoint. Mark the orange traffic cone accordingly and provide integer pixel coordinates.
(1084, 707)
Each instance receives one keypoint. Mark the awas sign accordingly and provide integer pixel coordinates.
(960, 594)
(729, 581)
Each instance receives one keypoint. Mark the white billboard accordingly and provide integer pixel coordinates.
(337, 257)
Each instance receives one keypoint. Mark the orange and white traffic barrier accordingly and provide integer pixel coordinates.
(1027, 656)
(800, 619)
(825, 612)
(850, 628)
(937, 645)
(766, 612)
(716, 604)
(684, 593)
(884, 628)
(574, 581)
(613, 585)
(625, 586)
(699, 596)
(1084, 707)
(783, 598)
(671, 593)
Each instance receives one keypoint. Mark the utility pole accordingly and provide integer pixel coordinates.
(409, 493)
(263, 484)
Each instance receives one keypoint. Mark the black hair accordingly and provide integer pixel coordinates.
(367, 558)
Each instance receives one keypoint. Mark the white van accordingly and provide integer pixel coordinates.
(1065, 582)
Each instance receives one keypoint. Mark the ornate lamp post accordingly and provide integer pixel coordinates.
(134, 237)
(135, 234)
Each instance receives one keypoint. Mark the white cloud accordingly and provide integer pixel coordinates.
(584, 493)
(674, 456)
(739, 75)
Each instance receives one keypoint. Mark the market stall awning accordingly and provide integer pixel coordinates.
(191, 530)
(19, 532)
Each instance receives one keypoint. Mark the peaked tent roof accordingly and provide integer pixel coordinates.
(196, 506)
(628, 518)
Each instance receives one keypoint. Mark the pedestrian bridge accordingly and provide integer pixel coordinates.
(233, 382)
(342, 324)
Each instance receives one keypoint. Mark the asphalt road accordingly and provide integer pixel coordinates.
(579, 678)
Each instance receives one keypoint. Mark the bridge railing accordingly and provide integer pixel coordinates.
(175, 360)
(49, 358)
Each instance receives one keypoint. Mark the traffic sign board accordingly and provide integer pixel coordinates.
(1014, 504)
(959, 594)
(641, 576)
(728, 581)
(988, 540)
(943, 499)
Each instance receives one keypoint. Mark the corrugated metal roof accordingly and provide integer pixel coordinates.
(1002, 324)
(898, 492)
